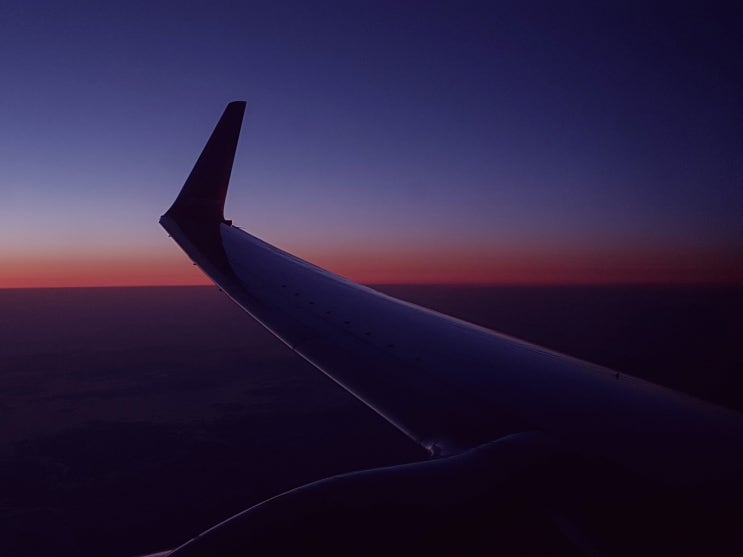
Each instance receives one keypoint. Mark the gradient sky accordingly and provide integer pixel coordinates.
(500, 142)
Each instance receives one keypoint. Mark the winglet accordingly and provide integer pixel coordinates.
(203, 195)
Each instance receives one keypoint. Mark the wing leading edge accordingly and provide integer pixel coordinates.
(447, 384)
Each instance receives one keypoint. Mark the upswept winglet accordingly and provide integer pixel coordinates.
(205, 190)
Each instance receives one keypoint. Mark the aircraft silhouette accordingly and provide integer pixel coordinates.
(532, 452)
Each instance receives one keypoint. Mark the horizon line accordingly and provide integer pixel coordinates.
(443, 284)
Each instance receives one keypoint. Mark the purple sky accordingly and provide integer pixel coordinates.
(389, 141)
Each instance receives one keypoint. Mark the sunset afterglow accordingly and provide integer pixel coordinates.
(443, 145)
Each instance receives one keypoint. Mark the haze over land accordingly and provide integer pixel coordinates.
(135, 418)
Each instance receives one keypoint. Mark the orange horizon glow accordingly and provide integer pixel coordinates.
(93, 270)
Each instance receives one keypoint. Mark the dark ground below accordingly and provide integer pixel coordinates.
(134, 418)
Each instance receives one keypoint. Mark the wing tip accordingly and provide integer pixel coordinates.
(203, 195)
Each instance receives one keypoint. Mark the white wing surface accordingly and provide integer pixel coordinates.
(447, 384)
(645, 462)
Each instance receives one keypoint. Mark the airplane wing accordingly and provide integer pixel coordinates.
(449, 385)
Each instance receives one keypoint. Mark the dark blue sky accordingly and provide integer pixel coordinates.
(478, 142)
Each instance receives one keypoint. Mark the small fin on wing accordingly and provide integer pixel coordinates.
(203, 195)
